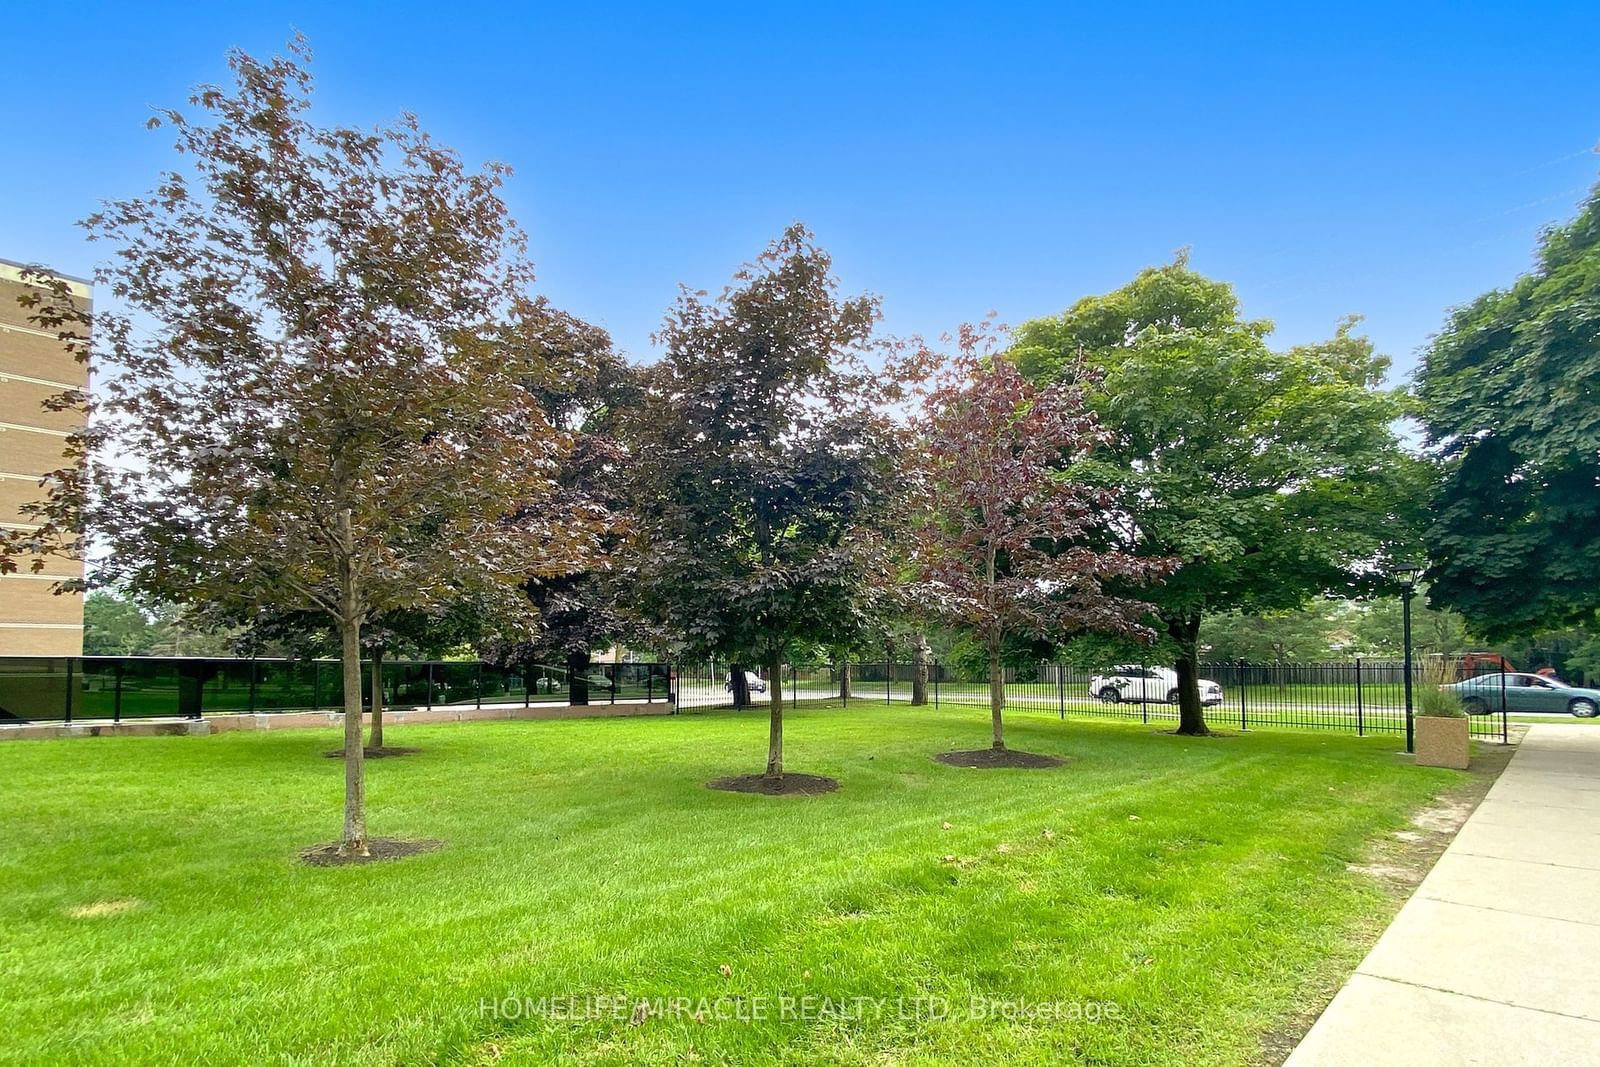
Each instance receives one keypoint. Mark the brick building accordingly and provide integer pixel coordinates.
(33, 366)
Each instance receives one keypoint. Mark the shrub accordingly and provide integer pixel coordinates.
(1432, 699)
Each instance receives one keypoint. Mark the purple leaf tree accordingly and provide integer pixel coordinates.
(313, 391)
(1005, 540)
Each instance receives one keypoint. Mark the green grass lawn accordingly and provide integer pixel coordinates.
(155, 911)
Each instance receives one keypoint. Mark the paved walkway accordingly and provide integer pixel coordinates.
(1496, 959)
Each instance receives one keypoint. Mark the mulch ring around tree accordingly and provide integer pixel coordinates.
(790, 785)
(988, 757)
(378, 849)
(384, 752)
(1208, 733)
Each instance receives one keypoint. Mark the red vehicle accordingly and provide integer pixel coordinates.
(1475, 663)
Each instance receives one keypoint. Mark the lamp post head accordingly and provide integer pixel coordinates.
(1408, 576)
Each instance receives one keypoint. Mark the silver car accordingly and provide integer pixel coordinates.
(1529, 693)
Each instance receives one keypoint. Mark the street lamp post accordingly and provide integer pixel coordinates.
(1408, 587)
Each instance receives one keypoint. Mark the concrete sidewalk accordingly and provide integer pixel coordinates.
(1496, 959)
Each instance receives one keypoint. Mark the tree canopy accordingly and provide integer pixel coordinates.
(1509, 403)
(761, 460)
(1000, 544)
(312, 360)
(1271, 476)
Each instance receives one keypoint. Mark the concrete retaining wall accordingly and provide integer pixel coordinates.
(302, 720)
(157, 728)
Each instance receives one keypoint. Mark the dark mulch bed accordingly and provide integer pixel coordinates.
(1213, 733)
(790, 785)
(386, 752)
(988, 757)
(379, 848)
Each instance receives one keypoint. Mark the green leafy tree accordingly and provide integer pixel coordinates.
(1583, 660)
(762, 462)
(1304, 635)
(116, 626)
(1378, 627)
(319, 389)
(1512, 415)
(1271, 476)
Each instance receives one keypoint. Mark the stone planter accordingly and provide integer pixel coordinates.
(1441, 742)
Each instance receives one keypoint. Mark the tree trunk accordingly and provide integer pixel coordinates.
(919, 672)
(355, 785)
(741, 686)
(375, 737)
(997, 695)
(354, 842)
(1191, 715)
(578, 677)
(775, 726)
(997, 680)
(844, 679)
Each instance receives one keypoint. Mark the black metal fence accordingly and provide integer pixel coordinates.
(1359, 696)
(111, 688)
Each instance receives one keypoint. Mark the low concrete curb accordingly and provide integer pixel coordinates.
(1493, 960)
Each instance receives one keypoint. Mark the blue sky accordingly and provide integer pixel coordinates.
(1387, 161)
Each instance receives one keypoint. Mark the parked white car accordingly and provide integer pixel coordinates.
(1153, 684)
(753, 683)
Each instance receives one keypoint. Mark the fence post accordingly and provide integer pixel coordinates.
(430, 684)
(794, 688)
(527, 686)
(936, 670)
(1144, 706)
(116, 698)
(254, 664)
(888, 683)
(1244, 714)
(68, 694)
(316, 685)
(1360, 707)
(477, 686)
(1061, 690)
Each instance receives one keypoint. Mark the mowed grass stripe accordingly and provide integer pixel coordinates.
(587, 856)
